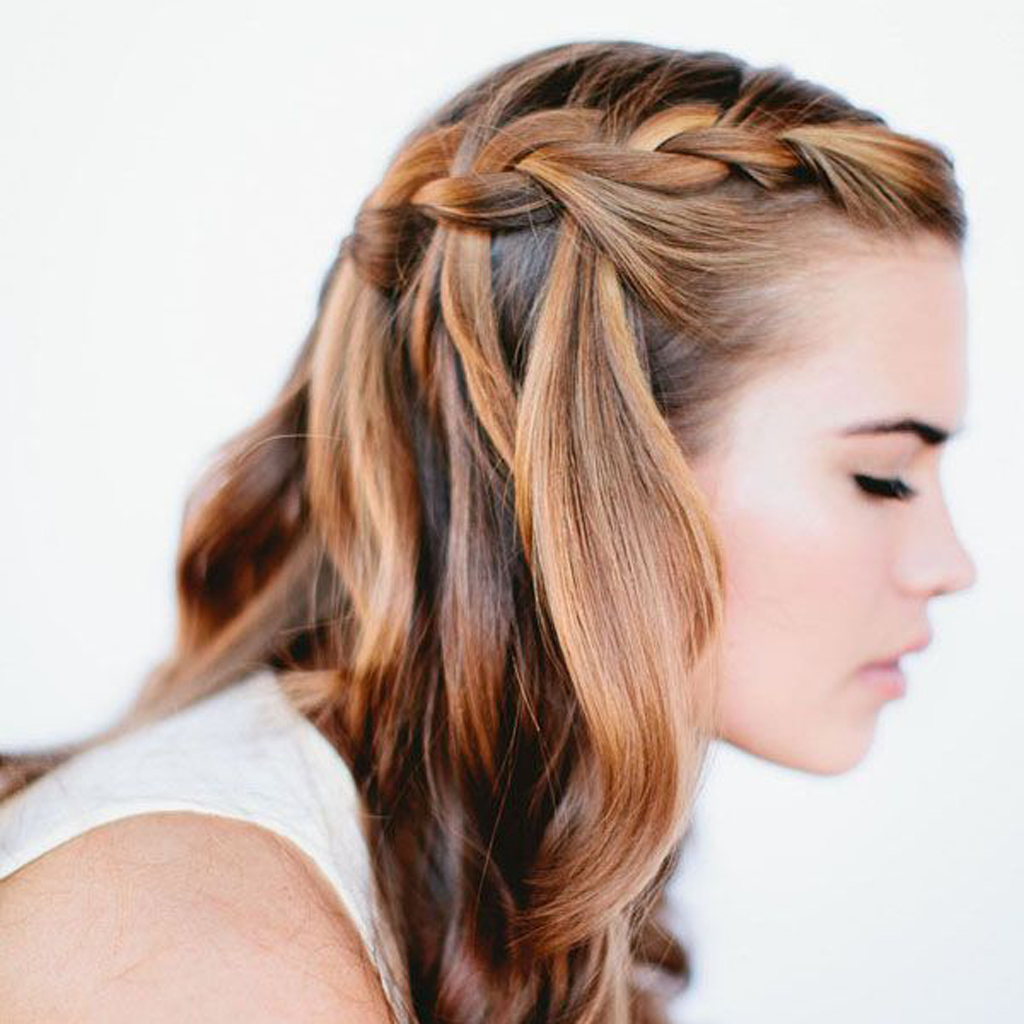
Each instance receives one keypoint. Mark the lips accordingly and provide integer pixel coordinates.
(892, 661)
(887, 681)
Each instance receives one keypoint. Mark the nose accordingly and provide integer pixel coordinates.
(944, 565)
(962, 572)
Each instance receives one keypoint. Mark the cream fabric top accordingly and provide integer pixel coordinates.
(243, 753)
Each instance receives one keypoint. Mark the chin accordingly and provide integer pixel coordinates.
(836, 759)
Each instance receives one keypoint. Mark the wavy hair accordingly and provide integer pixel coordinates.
(467, 535)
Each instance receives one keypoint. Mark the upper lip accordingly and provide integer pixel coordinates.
(917, 645)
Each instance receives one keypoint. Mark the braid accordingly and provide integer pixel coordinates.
(550, 162)
(624, 244)
(383, 241)
(501, 599)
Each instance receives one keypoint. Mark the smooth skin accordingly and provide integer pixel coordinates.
(822, 577)
(180, 918)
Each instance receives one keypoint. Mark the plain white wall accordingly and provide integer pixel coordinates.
(174, 181)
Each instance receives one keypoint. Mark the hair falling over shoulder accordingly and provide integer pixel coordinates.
(467, 535)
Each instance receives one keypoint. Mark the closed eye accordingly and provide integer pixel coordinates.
(884, 488)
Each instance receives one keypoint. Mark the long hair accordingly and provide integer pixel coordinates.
(467, 534)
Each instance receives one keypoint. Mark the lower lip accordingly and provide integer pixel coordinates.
(886, 679)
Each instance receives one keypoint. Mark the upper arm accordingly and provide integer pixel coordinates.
(180, 917)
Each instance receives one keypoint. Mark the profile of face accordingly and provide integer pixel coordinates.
(822, 576)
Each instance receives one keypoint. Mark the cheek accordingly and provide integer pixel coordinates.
(801, 580)
(798, 596)
(795, 568)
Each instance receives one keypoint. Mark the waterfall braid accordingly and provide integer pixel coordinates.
(467, 534)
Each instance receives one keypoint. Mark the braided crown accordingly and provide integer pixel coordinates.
(556, 162)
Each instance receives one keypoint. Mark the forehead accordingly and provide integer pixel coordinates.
(876, 334)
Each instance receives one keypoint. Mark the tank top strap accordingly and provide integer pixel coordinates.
(244, 753)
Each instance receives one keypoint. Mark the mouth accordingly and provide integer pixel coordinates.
(885, 677)
(918, 645)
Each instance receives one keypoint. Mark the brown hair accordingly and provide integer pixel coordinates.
(467, 535)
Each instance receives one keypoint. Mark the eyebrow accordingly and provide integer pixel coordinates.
(927, 432)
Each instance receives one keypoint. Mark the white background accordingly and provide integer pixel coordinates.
(173, 182)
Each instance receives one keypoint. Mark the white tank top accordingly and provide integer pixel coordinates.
(243, 753)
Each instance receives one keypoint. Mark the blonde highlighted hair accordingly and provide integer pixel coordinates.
(467, 534)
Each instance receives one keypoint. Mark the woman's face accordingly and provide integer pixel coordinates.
(822, 577)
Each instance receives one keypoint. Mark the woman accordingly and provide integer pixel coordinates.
(617, 432)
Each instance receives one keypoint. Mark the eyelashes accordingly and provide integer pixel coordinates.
(880, 488)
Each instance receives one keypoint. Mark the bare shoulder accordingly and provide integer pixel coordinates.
(180, 916)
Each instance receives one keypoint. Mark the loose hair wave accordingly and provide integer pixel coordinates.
(467, 535)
